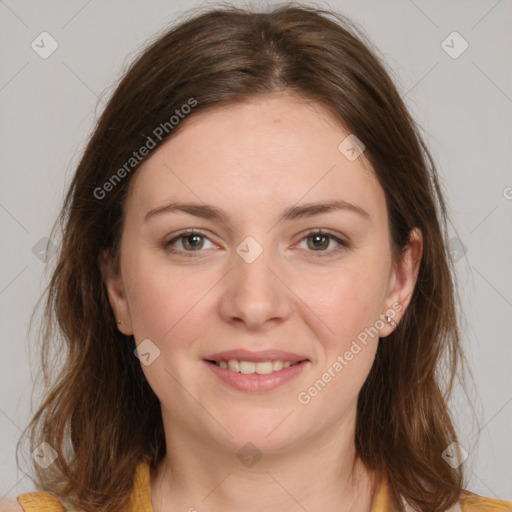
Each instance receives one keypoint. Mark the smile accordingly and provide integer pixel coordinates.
(256, 377)
(249, 367)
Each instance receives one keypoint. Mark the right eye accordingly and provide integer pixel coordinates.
(190, 240)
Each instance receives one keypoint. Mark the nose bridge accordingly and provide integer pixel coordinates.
(254, 294)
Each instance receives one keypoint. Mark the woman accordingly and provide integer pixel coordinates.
(253, 289)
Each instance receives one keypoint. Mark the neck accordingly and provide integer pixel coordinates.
(320, 474)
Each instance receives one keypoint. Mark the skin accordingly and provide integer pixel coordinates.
(254, 160)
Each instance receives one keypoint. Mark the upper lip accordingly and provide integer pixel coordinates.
(263, 355)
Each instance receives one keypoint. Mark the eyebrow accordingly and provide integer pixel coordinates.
(211, 212)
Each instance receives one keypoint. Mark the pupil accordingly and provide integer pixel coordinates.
(319, 238)
(192, 237)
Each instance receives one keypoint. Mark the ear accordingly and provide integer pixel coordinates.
(116, 293)
(402, 281)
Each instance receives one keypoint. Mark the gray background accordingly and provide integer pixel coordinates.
(464, 104)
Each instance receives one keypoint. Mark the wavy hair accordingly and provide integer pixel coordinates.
(98, 411)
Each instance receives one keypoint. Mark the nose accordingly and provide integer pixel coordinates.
(255, 294)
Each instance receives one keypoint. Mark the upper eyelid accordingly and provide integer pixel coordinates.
(185, 232)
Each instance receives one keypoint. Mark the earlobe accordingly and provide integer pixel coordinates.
(116, 293)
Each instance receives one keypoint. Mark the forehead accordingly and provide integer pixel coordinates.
(267, 151)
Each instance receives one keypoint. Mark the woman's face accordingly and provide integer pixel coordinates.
(253, 276)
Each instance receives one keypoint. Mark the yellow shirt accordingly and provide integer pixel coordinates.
(140, 500)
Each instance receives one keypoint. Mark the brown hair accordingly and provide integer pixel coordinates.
(99, 413)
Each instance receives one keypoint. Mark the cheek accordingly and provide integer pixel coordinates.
(348, 304)
(347, 300)
(162, 299)
(166, 308)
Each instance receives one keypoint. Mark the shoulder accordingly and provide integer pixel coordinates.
(44, 501)
(470, 502)
(37, 501)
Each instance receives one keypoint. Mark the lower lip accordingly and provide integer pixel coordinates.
(254, 382)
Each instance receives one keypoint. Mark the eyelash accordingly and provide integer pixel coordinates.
(167, 245)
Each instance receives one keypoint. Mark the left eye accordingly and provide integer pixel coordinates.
(318, 241)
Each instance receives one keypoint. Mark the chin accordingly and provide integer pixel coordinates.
(268, 432)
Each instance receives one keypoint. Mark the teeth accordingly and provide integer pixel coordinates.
(249, 367)
(278, 365)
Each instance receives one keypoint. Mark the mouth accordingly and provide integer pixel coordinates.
(256, 376)
(254, 367)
